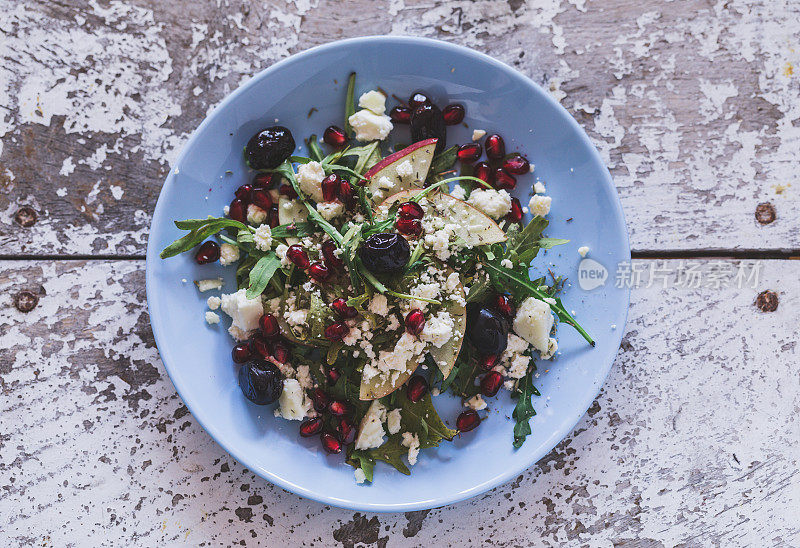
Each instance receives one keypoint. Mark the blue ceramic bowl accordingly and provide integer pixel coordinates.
(497, 98)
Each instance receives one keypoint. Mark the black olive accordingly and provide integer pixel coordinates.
(268, 148)
(427, 122)
(385, 253)
(486, 329)
(261, 382)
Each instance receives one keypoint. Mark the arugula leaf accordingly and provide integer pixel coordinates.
(197, 234)
(549, 243)
(365, 156)
(360, 459)
(392, 453)
(524, 411)
(521, 246)
(313, 148)
(324, 225)
(349, 104)
(523, 284)
(443, 161)
(319, 316)
(262, 273)
(422, 419)
(296, 230)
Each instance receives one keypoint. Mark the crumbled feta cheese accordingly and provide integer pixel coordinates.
(303, 376)
(495, 203)
(244, 312)
(475, 403)
(404, 169)
(477, 134)
(426, 291)
(263, 238)
(361, 477)
(228, 254)
(533, 323)
(255, 215)
(552, 346)
(439, 242)
(518, 366)
(459, 192)
(374, 100)
(583, 250)
(206, 285)
(352, 337)
(394, 323)
(212, 318)
(438, 329)
(281, 251)
(293, 404)
(393, 421)
(226, 210)
(385, 183)
(238, 334)
(539, 188)
(412, 442)
(370, 126)
(213, 302)
(506, 263)
(330, 210)
(393, 362)
(515, 345)
(540, 205)
(452, 282)
(309, 178)
(296, 317)
(371, 433)
(379, 305)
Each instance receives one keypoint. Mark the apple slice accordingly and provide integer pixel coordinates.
(384, 179)
(445, 356)
(474, 227)
(291, 211)
(381, 384)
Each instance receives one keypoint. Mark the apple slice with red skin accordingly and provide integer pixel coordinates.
(419, 155)
(474, 226)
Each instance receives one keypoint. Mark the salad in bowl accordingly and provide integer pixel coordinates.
(374, 278)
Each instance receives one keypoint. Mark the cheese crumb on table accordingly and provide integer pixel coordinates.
(206, 285)
(583, 250)
(495, 203)
(540, 205)
(477, 134)
(213, 302)
(212, 318)
(374, 101)
(361, 477)
(370, 126)
(539, 188)
(244, 312)
(476, 403)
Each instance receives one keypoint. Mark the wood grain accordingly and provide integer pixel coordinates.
(694, 106)
(693, 440)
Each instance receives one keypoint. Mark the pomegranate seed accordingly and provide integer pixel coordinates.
(415, 321)
(330, 443)
(491, 383)
(238, 211)
(483, 172)
(409, 227)
(298, 256)
(311, 427)
(288, 191)
(488, 362)
(515, 215)
(334, 136)
(333, 375)
(347, 194)
(319, 272)
(495, 147)
(504, 305)
(453, 114)
(241, 353)
(410, 210)
(418, 98)
(243, 192)
(469, 153)
(503, 180)
(274, 218)
(330, 187)
(263, 180)
(259, 345)
(329, 255)
(207, 253)
(337, 408)
(269, 326)
(417, 387)
(468, 420)
(320, 399)
(342, 309)
(336, 331)
(517, 164)
(281, 352)
(261, 198)
(346, 431)
(400, 114)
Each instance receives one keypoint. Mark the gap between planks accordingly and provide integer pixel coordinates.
(730, 254)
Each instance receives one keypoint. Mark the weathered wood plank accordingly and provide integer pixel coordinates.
(694, 107)
(692, 440)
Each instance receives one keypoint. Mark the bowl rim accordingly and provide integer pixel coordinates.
(566, 425)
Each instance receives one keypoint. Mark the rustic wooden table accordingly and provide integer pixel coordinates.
(695, 106)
